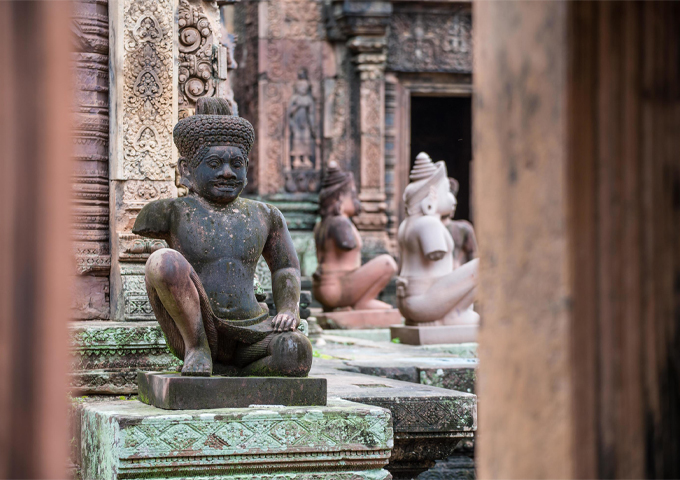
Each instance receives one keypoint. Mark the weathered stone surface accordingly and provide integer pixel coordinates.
(458, 467)
(107, 355)
(359, 319)
(429, 335)
(429, 39)
(127, 439)
(175, 392)
(446, 366)
(90, 175)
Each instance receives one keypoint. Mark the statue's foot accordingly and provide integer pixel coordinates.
(373, 305)
(466, 317)
(197, 363)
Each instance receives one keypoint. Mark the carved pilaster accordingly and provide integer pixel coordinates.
(390, 156)
(143, 111)
(365, 26)
(90, 177)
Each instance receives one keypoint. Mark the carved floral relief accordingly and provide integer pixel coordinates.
(147, 120)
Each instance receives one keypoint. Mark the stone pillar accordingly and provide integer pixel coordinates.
(577, 210)
(364, 24)
(91, 173)
(143, 109)
(36, 264)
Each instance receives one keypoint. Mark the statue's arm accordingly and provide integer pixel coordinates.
(431, 237)
(312, 122)
(153, 220)
(340, 230)
(470, 243)
(279, 252)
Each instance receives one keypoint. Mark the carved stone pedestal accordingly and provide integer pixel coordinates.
(128, 439)
(173, 391)
(359, 319)
(433, 335)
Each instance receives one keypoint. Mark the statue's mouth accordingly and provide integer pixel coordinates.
(227, 185)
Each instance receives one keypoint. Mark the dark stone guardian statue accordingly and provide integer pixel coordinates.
(201, 288)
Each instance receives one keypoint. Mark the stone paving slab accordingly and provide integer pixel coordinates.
(451, 369)
(128, 439)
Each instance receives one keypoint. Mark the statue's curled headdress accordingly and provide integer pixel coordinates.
(213, 124)
(425, 176)
(335, 182)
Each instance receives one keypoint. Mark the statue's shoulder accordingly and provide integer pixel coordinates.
(338, 221)
(154, 218)
(424, 225)
(263, 209)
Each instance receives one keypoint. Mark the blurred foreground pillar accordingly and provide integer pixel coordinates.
(35, 262)
(577, 134)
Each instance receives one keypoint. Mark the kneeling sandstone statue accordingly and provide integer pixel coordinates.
(341, 281)
(201, 288)
(431, 291)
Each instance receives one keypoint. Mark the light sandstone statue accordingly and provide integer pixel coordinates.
(434, 297)
(340, 280)
(201, 288)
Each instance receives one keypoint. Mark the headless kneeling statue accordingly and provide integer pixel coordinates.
(341, 281)
(462, 232)
(431, 291)
(201, 288)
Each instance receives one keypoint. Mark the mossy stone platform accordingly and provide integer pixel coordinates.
(128, 439)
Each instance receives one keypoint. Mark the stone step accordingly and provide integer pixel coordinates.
(105, 356)
(428, 422)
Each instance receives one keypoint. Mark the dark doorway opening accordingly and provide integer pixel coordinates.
(442, 128)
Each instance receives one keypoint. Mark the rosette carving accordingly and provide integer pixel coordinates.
(196, 75)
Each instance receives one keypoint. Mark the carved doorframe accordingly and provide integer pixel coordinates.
(407, 86)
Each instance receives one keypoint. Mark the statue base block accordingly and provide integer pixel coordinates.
(128, 439)
(172, 391)
(359, 319)
(433, 335)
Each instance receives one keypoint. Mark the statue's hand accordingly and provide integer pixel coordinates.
(285, 322)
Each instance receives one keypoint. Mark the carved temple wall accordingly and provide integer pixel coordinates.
(320, 80)
(356, 63)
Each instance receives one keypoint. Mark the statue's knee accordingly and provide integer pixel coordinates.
(166, 265)
(292, 353)
(390, 264)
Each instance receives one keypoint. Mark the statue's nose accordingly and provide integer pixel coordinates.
(226, 171)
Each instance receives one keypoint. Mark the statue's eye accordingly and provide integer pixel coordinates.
(237, 163)
(213, 164)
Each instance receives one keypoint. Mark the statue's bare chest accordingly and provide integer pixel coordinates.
(206, 236)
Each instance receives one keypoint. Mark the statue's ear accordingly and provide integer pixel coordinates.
(429, 203)
(184, 173)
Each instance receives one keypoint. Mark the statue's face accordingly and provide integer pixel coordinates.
(221, 175)
(445, 199)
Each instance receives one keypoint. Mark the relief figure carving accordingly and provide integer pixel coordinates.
(302, 171)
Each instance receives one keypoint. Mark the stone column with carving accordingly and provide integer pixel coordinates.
(364, 25)
(143, 112)
(90, 25)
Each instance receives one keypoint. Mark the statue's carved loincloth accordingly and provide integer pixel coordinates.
(232, 342)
